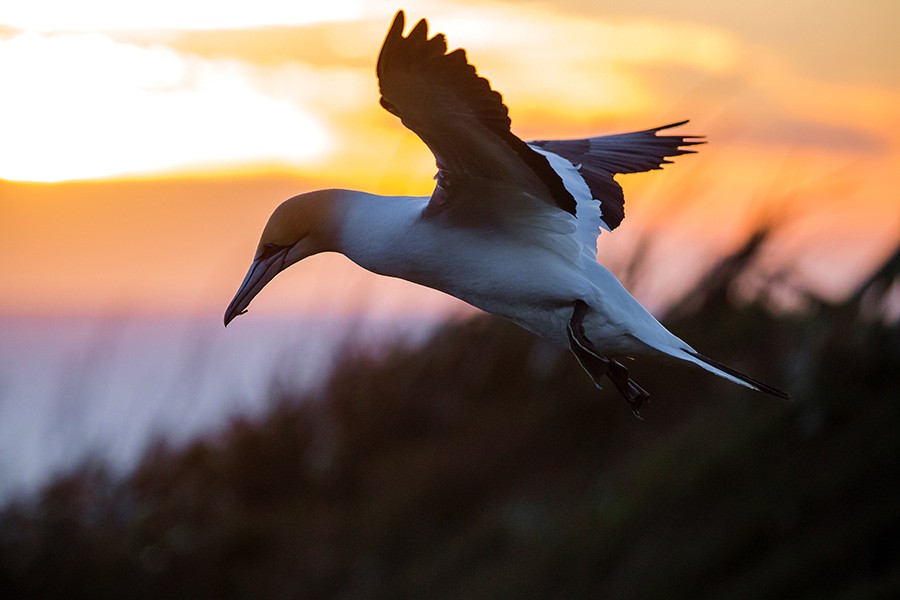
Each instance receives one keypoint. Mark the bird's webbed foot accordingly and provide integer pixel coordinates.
(597, 366)
(634, 394)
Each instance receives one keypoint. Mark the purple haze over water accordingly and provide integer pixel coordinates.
(71, 388)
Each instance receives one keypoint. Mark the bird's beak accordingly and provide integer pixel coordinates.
(261, 272)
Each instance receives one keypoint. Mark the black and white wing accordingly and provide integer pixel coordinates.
(487, 175)
(598, 159)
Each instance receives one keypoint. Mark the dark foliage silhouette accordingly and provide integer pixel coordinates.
(485, 465)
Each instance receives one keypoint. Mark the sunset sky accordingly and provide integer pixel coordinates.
(143, 144)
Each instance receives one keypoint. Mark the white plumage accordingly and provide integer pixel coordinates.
(510, 228)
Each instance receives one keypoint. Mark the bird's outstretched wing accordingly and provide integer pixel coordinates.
(487, 175)
(599, 158)
(440, 97)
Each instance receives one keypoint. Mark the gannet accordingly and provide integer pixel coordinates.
(511, 227)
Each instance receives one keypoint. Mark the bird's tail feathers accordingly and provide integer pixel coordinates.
(728, 373)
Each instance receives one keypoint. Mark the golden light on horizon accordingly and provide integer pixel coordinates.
(100, 108)
(104, 105)
(203, 102)
(112, 104)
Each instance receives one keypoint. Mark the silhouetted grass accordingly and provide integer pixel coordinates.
(485, 465)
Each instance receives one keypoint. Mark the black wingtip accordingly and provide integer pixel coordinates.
(419, 33)
(670, 125)
(399, 21)
(686, 140)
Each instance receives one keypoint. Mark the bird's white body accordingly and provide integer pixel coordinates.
(506, 275)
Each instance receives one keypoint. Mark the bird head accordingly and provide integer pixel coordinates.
(298, 228)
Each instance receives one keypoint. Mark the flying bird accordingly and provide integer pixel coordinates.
(511, 226)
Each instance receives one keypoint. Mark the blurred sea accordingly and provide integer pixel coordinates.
(77, 388)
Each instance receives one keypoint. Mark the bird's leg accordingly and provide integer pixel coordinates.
(594, 364)
(597, 366)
